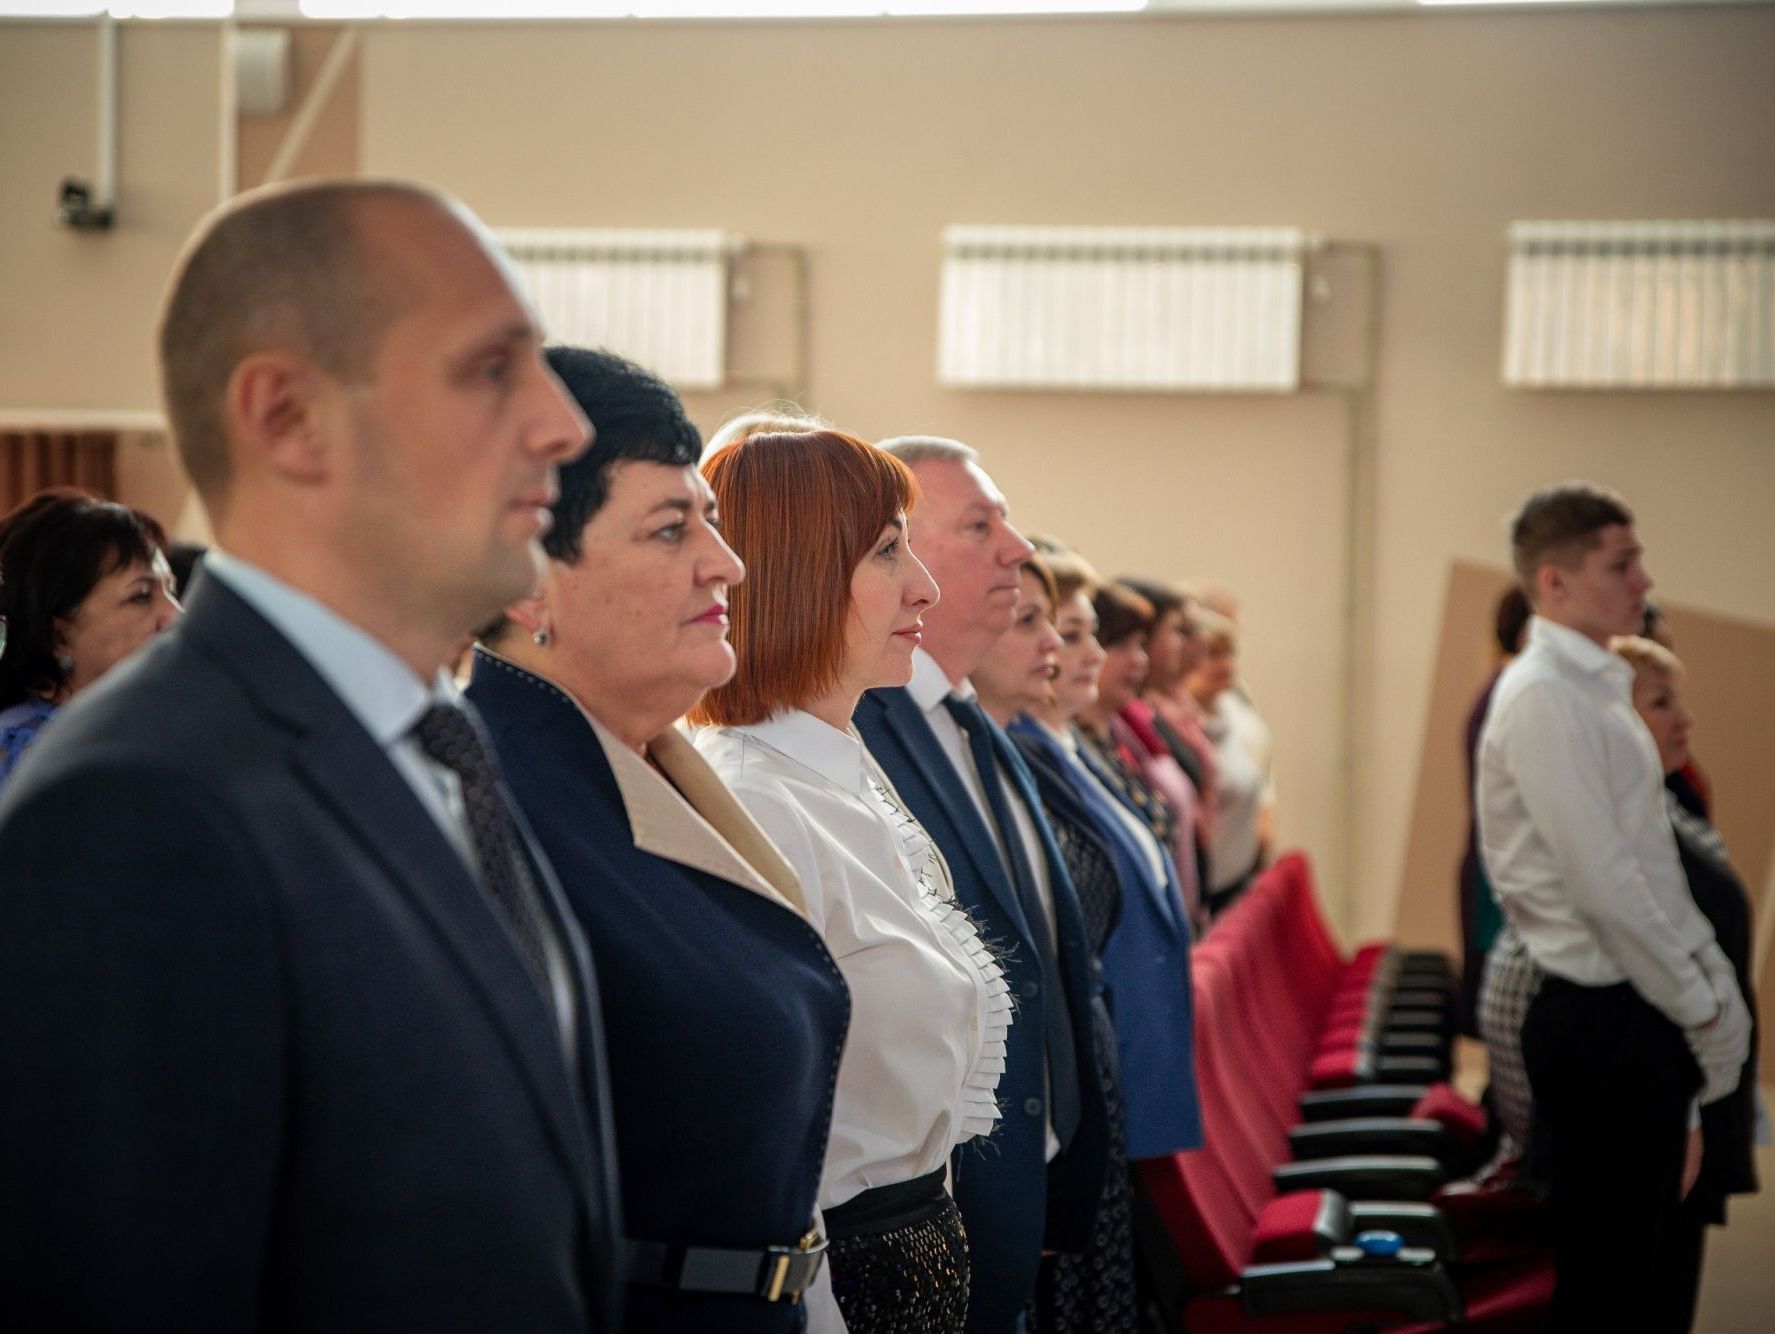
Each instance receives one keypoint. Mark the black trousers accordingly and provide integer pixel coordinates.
(1612, 1079)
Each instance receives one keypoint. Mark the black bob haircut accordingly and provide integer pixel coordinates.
(636, 417)
(53, 549)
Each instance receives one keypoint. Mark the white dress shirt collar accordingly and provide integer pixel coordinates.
(376, 687)
(381, 691)
(1579, 650)
(836, 756)
(930, 683)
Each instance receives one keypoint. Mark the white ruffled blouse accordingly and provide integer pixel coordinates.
(930, 1007)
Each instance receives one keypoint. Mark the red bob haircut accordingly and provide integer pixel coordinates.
(801, 509)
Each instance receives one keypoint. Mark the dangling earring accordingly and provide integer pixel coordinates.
(540, 636)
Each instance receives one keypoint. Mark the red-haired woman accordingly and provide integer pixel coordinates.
(830, 608)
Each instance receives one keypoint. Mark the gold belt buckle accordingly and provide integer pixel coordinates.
(780, 1271)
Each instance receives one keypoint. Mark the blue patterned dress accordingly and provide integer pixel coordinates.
(19, 726)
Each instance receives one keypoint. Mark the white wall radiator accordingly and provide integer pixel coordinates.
(1122, 308)
(1640, 305)
(657, 297)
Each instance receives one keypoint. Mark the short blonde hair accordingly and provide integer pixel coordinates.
(781, 417)
(1213, 628)
(1647, 655)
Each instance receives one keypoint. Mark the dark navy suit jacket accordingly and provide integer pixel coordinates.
(724, 1014)
(1146, 970)
(1011, 1200)
(268, 1058)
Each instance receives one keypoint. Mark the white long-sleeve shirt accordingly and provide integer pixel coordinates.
(930, 1008)
(1573, 830)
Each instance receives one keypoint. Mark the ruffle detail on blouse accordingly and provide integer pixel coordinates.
(979, 1105)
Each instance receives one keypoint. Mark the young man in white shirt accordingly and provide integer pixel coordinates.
(1639, 1017)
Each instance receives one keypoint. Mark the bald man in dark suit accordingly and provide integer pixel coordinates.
(295, 1032)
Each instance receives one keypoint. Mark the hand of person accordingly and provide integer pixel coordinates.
(1692, 1162)
(1722, 1044)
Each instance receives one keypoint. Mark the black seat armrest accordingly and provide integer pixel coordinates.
(1415, 1021)
(1372, 1176)
(1428, 961)
(1422, 1225)
(1402, 1069)
(1419, 998)
(1399, 1042)
(1363, 1100)
(1411, 1283)
(1373, 1134)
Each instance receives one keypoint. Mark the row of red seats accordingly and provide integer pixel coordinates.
(1308, 1209)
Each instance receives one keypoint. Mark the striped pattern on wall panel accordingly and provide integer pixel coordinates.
(1641, 305)
(657, 297)
(1122, 308)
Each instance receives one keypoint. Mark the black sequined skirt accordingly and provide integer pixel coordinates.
(899, 1259)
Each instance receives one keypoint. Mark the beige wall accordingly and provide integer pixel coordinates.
(328, 141)
(76, 308)
(1424, 134)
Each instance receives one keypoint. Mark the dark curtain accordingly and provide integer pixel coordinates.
(33, 460)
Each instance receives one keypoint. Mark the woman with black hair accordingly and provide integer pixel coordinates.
(84, 583)
(724, 1013)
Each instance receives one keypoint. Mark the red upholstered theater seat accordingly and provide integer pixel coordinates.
(1462, 1119)
(1257, 1258)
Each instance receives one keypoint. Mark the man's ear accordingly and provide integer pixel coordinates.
(1549, 584)
(278, 406)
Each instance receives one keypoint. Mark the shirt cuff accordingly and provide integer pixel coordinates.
(1696, 1004)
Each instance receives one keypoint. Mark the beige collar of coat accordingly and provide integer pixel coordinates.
(694, 819)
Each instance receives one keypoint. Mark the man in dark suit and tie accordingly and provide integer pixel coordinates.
(1035, 1186)
(295, 1031)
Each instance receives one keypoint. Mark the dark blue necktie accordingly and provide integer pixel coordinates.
(1063, 1070)
(449, 736)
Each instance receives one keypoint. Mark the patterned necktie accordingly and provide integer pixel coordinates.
(1063, 1071)
(449, 736)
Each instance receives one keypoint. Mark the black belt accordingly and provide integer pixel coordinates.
(887, 1208)
(775, 1273)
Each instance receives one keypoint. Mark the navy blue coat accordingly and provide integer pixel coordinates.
(1146, 971)
(724, 1014)
(268, 1059)
(1012, 1201)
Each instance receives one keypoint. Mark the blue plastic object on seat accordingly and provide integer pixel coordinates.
(1380, 1242)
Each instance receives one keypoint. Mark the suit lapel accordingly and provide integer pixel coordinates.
(349, 773)
(1012, 763)
(954, 803)
(1161, 899)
